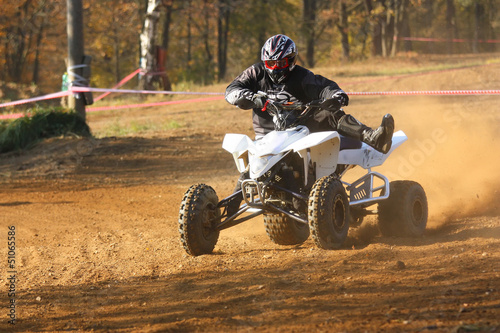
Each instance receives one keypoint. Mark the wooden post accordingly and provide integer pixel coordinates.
(75, 50)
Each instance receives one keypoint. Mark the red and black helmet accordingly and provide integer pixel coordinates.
(279, 55)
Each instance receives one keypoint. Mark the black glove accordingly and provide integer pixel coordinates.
(338, 100)
(331, 104)
(259, 101)
(341, 97)
(249, 100)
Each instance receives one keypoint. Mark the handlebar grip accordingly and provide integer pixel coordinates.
(316, 102)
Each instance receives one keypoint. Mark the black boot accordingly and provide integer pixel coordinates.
(380, 138)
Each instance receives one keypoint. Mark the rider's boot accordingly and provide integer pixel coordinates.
(380, 138)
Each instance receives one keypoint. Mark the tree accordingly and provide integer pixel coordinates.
(222, 36)
(400, 17)
(148, 43)
(343, 27)
(374, 19)
(112, 27)
(24, 26)
(309, 22)
(451, 28)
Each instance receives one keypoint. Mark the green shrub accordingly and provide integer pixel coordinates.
(26, 131)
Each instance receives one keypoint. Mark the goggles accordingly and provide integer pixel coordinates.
(277, 64)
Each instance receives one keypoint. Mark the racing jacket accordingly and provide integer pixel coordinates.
(302, 85)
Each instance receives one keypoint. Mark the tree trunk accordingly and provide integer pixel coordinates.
(17, 45)
(39, 38)
(188, 51)
(428, 21)
(206, 41)
(148, 44)
(478, 20)
(222, 37)
(399, 13)
(162, 65)
(309, 17)
(344, 30)
(375, 29)
(451, 29)
(405, 29)
(387, 31)
(116, 47)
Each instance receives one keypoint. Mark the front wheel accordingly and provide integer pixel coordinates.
(198, 216)
(328, 213)
(405, 212)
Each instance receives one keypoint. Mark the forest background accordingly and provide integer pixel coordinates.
(208, 41)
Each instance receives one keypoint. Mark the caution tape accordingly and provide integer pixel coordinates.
(219, 96)
(119, 84)
(132, 91)
(443, 40)
(36, 99)
(426, 92)
(143, 105)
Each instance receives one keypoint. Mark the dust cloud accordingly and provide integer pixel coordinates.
(453, 151)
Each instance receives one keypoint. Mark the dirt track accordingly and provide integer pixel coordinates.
(97, 246)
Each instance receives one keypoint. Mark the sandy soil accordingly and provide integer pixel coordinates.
(97, 246)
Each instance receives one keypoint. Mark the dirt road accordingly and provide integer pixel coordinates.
(97, 246)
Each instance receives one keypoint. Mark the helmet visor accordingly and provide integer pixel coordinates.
(277, 64)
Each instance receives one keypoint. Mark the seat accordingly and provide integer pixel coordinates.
(349, 143)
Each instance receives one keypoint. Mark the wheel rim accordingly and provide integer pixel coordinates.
(338, 214)
(417, 212)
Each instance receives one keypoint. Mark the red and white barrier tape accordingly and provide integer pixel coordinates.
(443, 40)
(131, 91)
(426, 93)
(119, 84)
(130, 106)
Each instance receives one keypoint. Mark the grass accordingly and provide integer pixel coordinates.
(135, 127)
(45, 123)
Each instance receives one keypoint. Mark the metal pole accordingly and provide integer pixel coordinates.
(75, 50)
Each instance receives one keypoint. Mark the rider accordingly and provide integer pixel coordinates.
(284, 81)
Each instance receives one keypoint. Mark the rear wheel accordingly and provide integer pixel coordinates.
(198, 216)
(328, 213)
(405, 212)
(283, 230)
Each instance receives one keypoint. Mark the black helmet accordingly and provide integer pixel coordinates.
(279, 55)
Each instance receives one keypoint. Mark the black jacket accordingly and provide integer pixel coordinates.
(302, 85)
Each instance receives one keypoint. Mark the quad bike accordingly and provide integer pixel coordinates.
(295, 179)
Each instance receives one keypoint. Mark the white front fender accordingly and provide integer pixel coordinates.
(238, 145)
(323, 148)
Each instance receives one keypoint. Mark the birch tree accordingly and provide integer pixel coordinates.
(148, 43)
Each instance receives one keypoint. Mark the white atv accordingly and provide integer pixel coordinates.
(294, 178)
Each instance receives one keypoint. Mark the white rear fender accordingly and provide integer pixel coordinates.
(366, 156)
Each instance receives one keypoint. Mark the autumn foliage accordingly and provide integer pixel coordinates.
(204, 41)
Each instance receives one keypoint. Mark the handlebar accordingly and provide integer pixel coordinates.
(287, 114)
